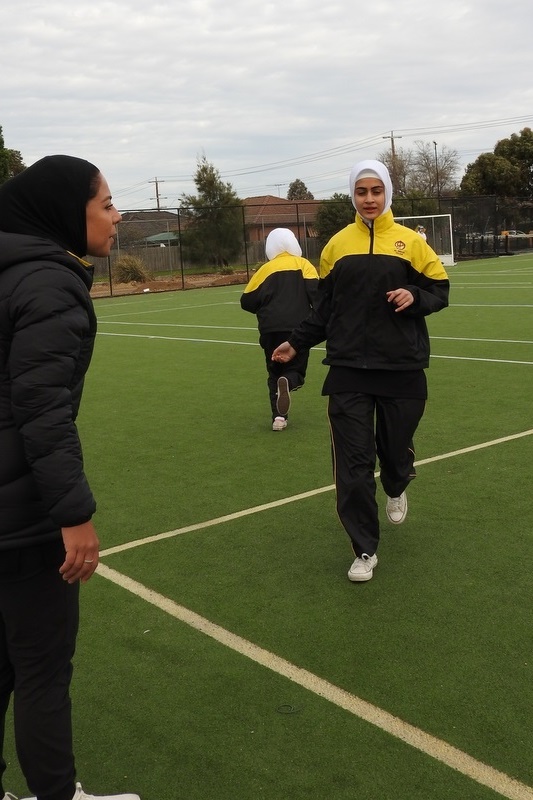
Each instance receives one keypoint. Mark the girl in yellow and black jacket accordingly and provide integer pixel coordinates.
(281, 295)
(378, 282)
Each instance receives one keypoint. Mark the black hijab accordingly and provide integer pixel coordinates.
(49, 200)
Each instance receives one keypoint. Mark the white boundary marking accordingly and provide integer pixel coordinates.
(430, 745)
(254, 330)
(256, 344)
(294, 498)
(415, 737)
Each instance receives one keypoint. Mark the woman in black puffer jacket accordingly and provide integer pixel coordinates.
(51, 215)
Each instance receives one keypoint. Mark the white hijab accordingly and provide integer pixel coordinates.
(281, 240)
(373, 169)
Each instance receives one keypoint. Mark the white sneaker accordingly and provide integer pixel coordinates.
(79, 794)
(396, 509)
(9, 796)
(279, 424)
(362, 568)
(283, 401)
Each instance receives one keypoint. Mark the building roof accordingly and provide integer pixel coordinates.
(270, 210)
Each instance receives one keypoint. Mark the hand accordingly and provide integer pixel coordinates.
(402, 299)
(81, 552)
(285, 352)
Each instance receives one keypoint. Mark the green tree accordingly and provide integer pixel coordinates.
(4, 159)
(491, 174)
(212, 219)
(508, 172)
(333, 215)
(15, 162)
(299, 191)
(518, 150)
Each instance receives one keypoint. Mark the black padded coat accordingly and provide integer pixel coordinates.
(47, 332)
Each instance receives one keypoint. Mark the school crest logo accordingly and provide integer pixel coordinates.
(399, 246)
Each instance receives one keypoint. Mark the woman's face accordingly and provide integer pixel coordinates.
(102, 218)
(369, 197)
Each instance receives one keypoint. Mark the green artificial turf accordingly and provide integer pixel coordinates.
(176, 430)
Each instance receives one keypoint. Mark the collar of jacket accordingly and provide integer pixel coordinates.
(88, 269)
(381, 223)
(81, 260)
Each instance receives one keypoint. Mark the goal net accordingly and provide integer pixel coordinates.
(438, 230)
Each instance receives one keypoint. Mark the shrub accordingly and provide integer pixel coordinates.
(130, 269)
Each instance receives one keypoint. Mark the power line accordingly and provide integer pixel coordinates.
(364, 144)
(340, 150)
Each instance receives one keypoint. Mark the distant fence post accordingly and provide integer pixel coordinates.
(245, 243)
(181, 250)
(110, 273)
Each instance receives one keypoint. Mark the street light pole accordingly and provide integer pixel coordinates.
(437, 173)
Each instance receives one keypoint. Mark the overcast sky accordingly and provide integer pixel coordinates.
(268, 90)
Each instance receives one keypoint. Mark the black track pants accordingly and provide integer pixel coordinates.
(362, 426)
(38, 626)
(294, 370)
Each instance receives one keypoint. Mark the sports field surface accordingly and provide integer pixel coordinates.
(223, 653)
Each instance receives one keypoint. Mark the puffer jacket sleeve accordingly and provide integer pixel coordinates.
(53, 325)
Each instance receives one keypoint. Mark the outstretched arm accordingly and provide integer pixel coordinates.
(283, 353)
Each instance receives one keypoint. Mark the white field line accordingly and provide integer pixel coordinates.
(254, 329)
(490, 305)
(519, 270)
(490, 360)
(294, 498)
(177, 338)
(164, 309)
(415, 737)
(183, 325)
(436, 748)
(474, 339)
(256, 344)
(465, 287)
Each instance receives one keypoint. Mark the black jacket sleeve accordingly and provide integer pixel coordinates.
(312, 330)
(53, 333)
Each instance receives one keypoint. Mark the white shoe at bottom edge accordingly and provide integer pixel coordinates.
(396, 509)
(279, 424)
(362, 568)
(79, 794)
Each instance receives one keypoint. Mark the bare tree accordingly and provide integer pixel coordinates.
(435, 169)
(425, 171)
(400, 164)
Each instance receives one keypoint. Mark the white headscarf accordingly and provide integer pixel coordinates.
(282, 240)
(372, 169)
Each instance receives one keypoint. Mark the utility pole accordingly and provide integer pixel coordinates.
(437, 173)
(392, 137)
(157, 197)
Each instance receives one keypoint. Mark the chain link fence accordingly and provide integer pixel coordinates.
(178, 249)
